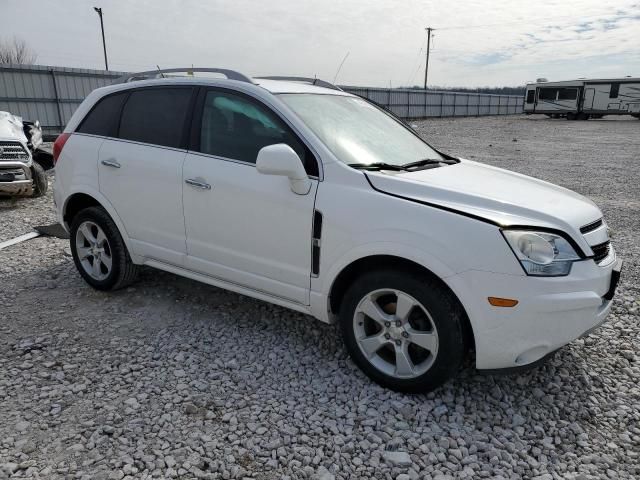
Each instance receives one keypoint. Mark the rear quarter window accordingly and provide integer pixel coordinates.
(102, 119)
(156, 116)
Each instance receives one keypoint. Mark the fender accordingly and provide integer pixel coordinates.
(321, 287)
(101, 199)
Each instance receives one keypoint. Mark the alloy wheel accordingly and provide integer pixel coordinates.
(94, 251)
(396, 333)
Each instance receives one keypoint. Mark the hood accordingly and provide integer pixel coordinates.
(500, 196)
(11, 128)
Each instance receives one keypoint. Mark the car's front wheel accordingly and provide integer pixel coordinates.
(404, 330)
(99, 251)
(40, 181)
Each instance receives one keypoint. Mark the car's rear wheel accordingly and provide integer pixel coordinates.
(99, 252)
(405, 331)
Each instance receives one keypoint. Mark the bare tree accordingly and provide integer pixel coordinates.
(16, 51)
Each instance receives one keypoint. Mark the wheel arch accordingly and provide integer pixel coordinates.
(82, 199)
(75, 203)
(350, 272)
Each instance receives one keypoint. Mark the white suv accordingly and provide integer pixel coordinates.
(297, 193)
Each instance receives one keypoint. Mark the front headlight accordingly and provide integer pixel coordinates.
(540, 253)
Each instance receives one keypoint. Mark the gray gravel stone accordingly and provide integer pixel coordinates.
(397, 459)
(175, 379)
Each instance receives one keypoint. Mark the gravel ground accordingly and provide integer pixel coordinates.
(171, 378)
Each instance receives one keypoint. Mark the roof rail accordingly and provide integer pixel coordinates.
(230, 74)
(312, 81)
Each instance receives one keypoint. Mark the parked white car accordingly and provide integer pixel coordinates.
(297, 193)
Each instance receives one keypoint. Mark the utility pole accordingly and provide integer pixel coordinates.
(426, 67)
(104, 44)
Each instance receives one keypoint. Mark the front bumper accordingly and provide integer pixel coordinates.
(551, 311)
(21, 182)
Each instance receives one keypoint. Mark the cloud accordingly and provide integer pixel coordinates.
(475, 43)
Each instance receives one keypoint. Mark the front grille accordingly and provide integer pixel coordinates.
(13, 151)
(601, 251)
(590, 227)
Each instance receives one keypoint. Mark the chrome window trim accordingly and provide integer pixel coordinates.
(233, 160)
(135, 142)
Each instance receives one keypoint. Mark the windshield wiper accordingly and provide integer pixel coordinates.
(378, 166)
(424, 162)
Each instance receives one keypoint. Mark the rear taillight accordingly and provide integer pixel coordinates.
(59, 145)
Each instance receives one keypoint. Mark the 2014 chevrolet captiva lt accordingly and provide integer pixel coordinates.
(297, 193)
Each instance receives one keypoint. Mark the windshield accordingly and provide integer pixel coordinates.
(357, 132)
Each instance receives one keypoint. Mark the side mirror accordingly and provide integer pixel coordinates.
(281, 159)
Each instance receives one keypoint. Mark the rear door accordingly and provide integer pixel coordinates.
(589, 95)
(244, 227)
(140, 171)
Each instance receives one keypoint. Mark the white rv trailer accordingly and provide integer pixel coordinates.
(584, 99)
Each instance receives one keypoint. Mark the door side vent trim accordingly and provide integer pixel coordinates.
(315, 243)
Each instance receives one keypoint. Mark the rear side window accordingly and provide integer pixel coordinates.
(155, 115)
(103, 118)
(567, 94)
(235, 127)
(548, 93)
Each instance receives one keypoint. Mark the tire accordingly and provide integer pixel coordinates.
(435, 311)
(40, 180)
(95, 237)
(571, 116)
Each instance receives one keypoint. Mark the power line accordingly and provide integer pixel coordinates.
(419, 60)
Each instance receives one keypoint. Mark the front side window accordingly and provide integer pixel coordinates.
(103, 118)
(155, 115)
(234, 126)
(357, 132)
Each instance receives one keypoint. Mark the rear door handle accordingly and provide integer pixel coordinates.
(110, 163)
(197, 183)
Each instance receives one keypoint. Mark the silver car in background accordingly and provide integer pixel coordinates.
(20, 174)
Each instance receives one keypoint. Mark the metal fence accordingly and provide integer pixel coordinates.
(52, 94)
(48, 94)
(407, 103)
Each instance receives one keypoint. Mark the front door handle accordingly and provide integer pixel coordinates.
(110, 163)
(197, 183)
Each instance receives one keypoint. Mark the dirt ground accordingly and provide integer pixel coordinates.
(175, 379)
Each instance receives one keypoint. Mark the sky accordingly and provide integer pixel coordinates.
(475, 43)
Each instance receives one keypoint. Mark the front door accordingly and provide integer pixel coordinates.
(140, 171)
(244, 227)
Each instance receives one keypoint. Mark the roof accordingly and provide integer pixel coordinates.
(273, 86)
(580, 81)
(287, 86)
